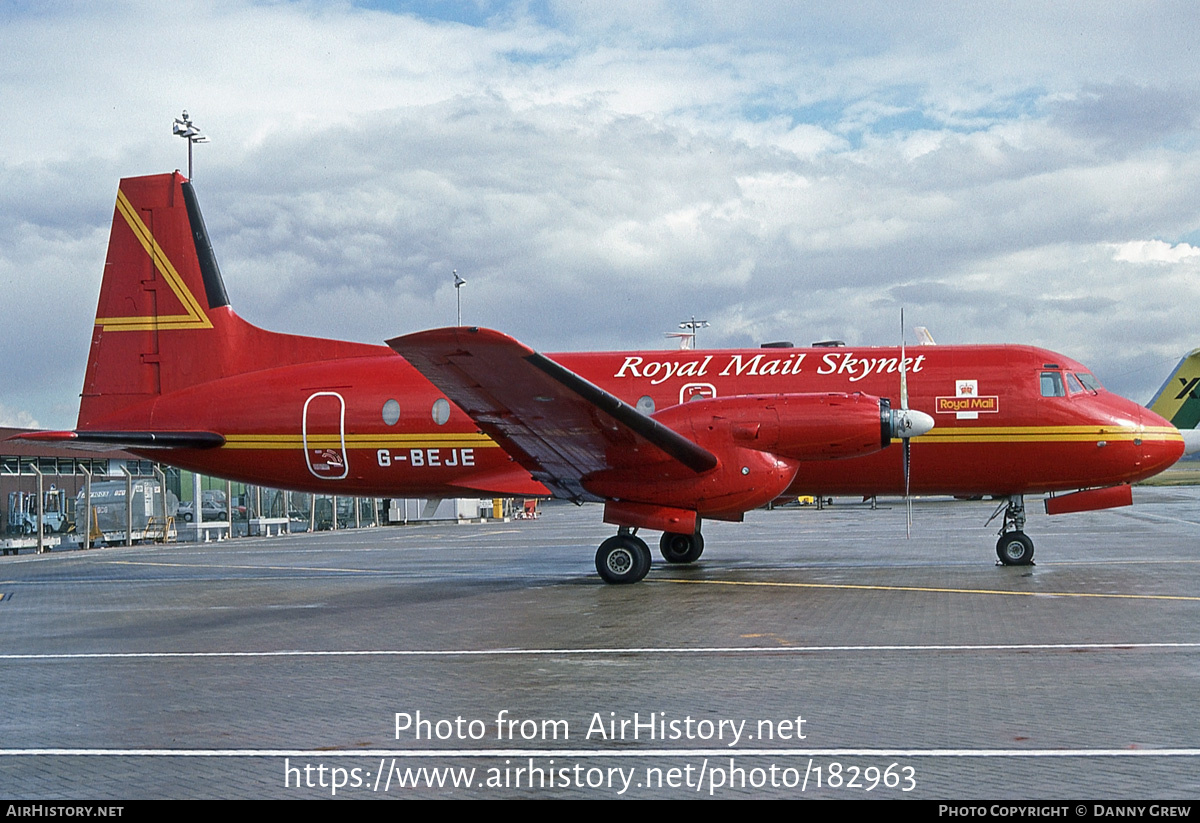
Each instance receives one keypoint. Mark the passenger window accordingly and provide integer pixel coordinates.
(1052, 384)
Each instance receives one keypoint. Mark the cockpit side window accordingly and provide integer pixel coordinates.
(1073, 384)
(1052, 384)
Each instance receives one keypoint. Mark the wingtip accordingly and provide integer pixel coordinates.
(451, 336)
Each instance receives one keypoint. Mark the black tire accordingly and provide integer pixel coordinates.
(681, 548)
(187, 517)
(1015, 549)
(622, 559)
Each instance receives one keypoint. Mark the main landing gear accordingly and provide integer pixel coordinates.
(681, 548)
(1014, 548)
(625, 558)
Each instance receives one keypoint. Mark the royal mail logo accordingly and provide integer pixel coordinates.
(948, 405)
(967, 404)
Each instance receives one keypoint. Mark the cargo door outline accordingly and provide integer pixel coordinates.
(697, 391)
(324, 461)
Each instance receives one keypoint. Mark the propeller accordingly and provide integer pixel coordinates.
(910, 424)
(906, 424)
(907, 440)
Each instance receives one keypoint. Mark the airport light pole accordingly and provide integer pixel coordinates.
(458, 284)
(692, 325)
(188, 130)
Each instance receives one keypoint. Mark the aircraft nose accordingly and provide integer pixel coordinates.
(1162, 443)
(1191, 440)
(910, 423)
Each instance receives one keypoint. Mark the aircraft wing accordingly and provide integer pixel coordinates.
(556, 424)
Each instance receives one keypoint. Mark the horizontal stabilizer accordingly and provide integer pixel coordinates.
(109, 440)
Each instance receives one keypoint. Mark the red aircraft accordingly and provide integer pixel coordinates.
(664, 439)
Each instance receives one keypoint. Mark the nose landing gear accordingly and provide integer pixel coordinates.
(1014, 548)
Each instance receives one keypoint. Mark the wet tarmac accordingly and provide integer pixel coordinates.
(809, 653)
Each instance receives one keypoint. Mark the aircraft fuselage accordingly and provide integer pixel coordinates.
(1009, 420)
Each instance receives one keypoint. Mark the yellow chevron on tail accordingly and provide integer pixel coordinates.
(193, 316)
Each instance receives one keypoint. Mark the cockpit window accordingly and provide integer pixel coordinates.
(1073, 384)
(1089, 382)
(1052, 384)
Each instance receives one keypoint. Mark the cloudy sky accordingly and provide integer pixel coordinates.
(1010, 172)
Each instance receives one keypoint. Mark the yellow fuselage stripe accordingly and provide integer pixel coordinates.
(1012, 434)
(1049, 434)
(360, 441)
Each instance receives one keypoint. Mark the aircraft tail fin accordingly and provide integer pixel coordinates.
(163, 322)
(1179, 398)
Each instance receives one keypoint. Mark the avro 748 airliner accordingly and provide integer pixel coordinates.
(663, 439)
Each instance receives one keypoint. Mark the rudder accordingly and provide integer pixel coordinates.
(154, 298)
(163, 322)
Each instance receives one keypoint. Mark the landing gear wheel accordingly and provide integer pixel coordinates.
(623, 559)
(681, 548)
(1015, 549)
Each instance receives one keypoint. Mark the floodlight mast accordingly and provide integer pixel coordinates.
(185, 128)
(458, 284)
(691, 326)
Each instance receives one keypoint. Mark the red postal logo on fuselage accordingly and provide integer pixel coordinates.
(948, 405)
(967, 403)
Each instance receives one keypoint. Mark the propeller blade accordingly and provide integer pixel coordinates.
(903, 367)
(909, 421)
(907, 497)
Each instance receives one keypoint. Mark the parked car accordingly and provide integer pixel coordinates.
(211, 510)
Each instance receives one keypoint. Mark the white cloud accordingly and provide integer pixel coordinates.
(788, 171)
(16, 418)
(1153, 251)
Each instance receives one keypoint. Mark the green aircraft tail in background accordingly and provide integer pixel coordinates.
(1179, 398)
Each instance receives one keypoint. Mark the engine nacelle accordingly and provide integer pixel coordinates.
(797, 426)
(744, 479)
(759, 441)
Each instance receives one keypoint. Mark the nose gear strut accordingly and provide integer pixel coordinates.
(1014, 548)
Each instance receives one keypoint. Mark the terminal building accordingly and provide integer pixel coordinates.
(224, 508)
